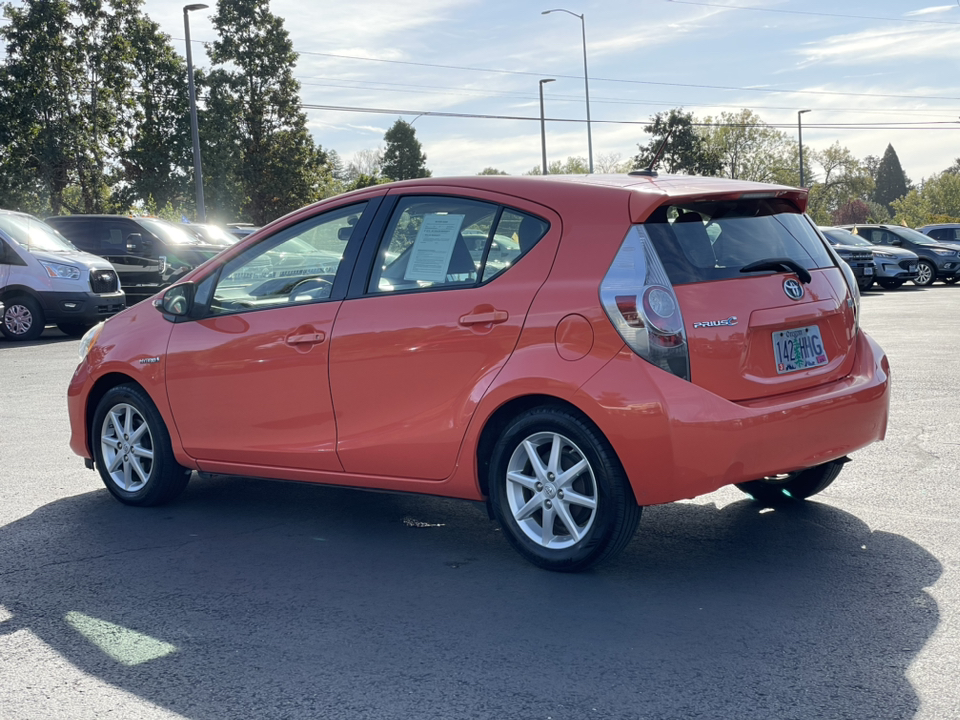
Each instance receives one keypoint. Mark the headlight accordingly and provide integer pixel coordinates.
(58, 270)
(88, 339)
(888, 256)
(945, 253)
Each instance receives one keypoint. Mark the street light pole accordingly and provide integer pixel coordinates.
(194, 129)
(586, 81)
(800, 141)
(543, 126)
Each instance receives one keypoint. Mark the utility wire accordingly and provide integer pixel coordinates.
(811, 12)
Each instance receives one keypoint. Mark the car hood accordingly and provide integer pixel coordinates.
(895, 251)
(73, 257)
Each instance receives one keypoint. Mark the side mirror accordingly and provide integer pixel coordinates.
(178, 300)
(135, 244)
(344, 233)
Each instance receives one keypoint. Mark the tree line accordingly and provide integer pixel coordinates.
(94, 118)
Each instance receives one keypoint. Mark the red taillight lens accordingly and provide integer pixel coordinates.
(639, 300)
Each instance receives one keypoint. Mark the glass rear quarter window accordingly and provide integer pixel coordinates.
(700, 242)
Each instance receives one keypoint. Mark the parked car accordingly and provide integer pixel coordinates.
(893, 266)
(937, 261)
(241, 230)
(44, 279)
(209, 234)
(656, 338)
(148, 254)
(945, 233)
(859, 258)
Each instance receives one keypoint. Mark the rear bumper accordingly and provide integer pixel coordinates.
(676, 440)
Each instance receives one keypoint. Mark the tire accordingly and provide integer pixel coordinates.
(926, 274)
(149, 475)
(952, 280)
(795, 486)
(22, 318)
(865, 284)
(549, 462)
(890, 284)
(76, 330)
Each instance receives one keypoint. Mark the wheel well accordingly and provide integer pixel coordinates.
(502, 417)
(101, 388)
(13, 292)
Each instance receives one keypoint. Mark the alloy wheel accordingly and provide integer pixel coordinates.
(924, 274)
(551, 490)
(127, 447)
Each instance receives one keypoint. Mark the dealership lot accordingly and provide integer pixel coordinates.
(262, 599)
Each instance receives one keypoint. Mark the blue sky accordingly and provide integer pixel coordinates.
(897, 63)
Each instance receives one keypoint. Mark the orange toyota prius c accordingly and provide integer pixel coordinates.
(568, 349)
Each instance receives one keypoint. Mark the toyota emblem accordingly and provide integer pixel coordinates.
(793, 288)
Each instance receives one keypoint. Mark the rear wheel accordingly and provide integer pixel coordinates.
(890, 284)
(559, 492)
(132, 449)
(793, 486)
(22, 318)
(926, 274)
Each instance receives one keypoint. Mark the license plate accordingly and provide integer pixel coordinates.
(798, 349)
(868, 271)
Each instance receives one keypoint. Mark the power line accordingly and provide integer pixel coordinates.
(810, 12)
(936, 125)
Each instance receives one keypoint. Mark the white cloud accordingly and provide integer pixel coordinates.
(931, 10)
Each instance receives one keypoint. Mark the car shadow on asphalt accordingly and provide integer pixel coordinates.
(251, 598)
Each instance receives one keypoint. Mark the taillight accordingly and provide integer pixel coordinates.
(640, 302)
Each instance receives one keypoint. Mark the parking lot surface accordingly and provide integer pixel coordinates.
(250, 598)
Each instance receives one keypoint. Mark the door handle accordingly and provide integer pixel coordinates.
(483, 318)
(306, 338)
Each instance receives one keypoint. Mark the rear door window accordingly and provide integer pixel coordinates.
(699, 242)
(450, 242)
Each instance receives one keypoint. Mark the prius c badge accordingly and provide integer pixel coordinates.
(732, 320)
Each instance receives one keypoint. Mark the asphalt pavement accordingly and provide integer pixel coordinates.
(259, 599)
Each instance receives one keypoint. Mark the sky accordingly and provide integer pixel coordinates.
(871, 72)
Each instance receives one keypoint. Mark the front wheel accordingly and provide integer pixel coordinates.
(559, 491)
(22, 319)
(793, 486)
(865, 283)
(926, 274)
(952, 280)
(132, 449)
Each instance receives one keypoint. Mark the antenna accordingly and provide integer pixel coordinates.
(649, 171)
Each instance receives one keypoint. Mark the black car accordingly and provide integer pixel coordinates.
(859, 258)
(938, 261)
(148, 253)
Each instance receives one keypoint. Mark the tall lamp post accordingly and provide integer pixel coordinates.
(800, 141)
(586, 82)
(197, 171)
(543, 126)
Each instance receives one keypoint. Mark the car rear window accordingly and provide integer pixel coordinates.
(703, 241)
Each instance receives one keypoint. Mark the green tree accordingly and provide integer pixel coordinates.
(936, 200)
(491, 171)
(843, 178)
(749, 149)
(573, 165)
(156, 161)
(257, 146)
(685, 150)
(403, 157)
(891, 182)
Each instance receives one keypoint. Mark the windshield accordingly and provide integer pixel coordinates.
(839, 236)
(34, 234)
(915, 236)
(167, 232)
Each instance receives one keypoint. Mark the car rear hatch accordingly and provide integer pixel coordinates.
(764, 308)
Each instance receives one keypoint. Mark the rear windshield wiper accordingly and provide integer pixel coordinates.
(781, 264)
